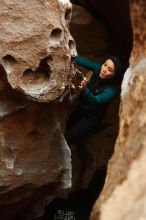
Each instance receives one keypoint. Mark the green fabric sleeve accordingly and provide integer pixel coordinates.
(106, 96)
(91, 65)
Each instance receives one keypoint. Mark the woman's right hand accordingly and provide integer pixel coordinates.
(83, 83)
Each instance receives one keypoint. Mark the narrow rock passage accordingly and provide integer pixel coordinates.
(79, 204)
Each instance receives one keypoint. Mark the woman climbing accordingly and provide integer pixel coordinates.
(94, 98)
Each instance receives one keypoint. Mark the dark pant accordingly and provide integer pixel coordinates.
(80, 126)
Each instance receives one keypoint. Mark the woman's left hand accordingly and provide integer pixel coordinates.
(83, 83)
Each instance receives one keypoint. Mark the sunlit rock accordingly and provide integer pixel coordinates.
(124, 194)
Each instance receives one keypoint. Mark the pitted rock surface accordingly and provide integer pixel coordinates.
(36, 73)
(36, 47)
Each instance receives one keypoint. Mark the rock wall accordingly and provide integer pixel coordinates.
(36, 83)
(36, 73)
(124, 193)
(36, 47)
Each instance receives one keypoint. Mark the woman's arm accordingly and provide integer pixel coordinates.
(91, 65)
(105, 97)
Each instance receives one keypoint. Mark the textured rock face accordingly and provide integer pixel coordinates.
(36, 46)
(36, 55)
(124, 194)
(35, 64)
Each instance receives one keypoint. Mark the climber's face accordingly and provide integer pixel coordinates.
(107, 70)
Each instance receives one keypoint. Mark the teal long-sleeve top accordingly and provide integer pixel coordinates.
(105, 96)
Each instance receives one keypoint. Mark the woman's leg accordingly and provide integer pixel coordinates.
(75, 116)
(83, 128)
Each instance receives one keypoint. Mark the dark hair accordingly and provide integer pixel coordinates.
(118, 67)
